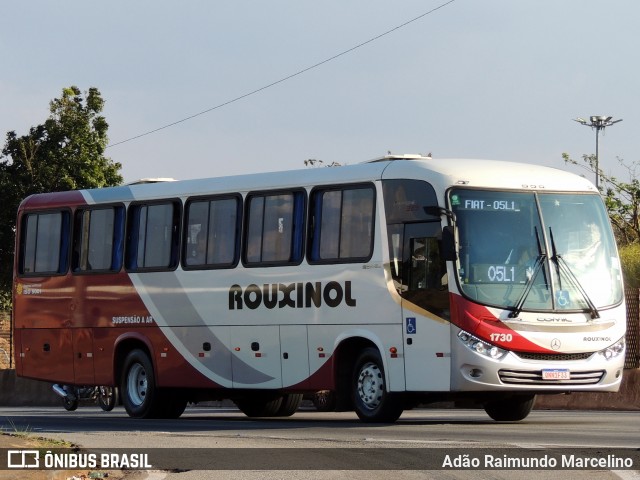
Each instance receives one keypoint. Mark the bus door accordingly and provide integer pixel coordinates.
(294, 354)
(425, 308)
(255, 359)
(84, 373)
(47, 354)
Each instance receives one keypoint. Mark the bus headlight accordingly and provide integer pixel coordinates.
(614, 350)
(481, 347)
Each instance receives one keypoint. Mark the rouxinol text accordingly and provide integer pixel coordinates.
(293, 295)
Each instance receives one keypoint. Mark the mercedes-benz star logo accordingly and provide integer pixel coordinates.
(555, 344)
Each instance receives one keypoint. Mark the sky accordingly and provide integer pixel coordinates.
(498, 79)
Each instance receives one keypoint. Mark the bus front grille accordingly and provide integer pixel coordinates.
(558, 357)
(534, 377)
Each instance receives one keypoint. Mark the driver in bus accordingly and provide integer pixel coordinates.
(583, 252)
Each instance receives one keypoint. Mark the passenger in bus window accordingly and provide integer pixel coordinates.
(199, 253)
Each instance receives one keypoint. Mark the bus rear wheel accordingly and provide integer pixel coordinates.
(290, 404)
(510, 409)
(371, 399)
(174, 403)
(260, 405)
(140, 396)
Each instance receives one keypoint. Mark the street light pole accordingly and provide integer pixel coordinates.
(597, 122)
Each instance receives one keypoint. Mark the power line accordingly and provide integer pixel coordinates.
(284, 79)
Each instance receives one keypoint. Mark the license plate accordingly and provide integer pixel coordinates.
(556, 374)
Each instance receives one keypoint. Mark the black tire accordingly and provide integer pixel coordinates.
(324, 401)
(290, 404)
(140, 396)
(260, 405)
(372, 401)
(107, 398)
(173, 404)
(69, 405)
(510, 409)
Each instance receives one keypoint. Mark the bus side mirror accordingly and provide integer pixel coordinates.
(448, 252)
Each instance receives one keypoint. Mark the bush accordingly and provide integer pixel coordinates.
(630, 259)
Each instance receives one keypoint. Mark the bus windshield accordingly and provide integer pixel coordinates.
(536, 251)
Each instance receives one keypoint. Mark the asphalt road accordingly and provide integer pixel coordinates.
(410, 448)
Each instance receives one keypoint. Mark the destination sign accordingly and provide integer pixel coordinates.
(491, 273)
(491, 205)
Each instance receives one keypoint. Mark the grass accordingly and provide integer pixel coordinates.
(33, 440)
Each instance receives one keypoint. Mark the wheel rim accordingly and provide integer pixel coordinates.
(322, 399)
(370, 386)
(137, 384)
(105, 393)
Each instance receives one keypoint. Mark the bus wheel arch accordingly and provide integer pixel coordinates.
(344, 359)
(123, 346)
(139, 392)
(372, 400)
(356, 358)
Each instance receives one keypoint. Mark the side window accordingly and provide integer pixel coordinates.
(343, 221)
(44, 243)
(275, 226)
(98, 239)
(406, 202)
(212, 232)
(153, 236)
(417, 266)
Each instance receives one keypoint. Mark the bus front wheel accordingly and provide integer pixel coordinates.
(510, 409)
(371, 398)
(138, 387)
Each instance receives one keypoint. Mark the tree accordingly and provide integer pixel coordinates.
(622, 199)
(64, 153)
(313, 163)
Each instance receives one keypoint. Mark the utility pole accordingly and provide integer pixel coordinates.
(597, 122)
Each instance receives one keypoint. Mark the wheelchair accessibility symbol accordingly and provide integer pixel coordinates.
(562, 298)
(411, 325)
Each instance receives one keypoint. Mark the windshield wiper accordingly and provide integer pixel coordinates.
(563, 267)
(530, 280)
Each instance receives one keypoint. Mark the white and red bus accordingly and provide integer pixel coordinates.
(401, 280)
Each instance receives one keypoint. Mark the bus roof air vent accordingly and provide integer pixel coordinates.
(407, 156)
(151, 180)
